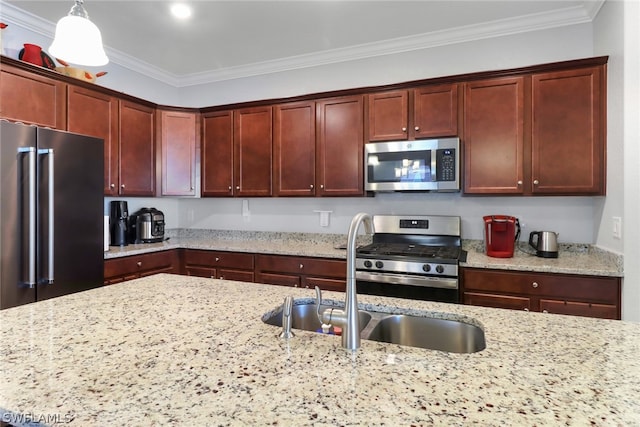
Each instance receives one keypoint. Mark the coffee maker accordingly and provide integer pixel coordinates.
(501, 235)
(118, 222)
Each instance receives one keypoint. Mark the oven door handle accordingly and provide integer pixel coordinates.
(408, 279)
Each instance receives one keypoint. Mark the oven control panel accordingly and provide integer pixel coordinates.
(407, 267)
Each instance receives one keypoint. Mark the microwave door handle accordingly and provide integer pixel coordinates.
(434, 165)
(48, 279)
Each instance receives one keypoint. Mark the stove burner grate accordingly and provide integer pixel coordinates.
(410, 250)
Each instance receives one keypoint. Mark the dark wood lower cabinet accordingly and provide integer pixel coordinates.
(576, 295)
(307, 272)
(132, 267)
(218, 264)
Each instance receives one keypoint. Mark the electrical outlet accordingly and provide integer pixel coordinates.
(617, 227)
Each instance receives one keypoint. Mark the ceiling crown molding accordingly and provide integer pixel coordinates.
(527, 23)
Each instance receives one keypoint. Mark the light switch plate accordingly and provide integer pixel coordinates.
(617, 227)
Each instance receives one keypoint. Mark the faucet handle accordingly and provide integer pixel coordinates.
(287, 311)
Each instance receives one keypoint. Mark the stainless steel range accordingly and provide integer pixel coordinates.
(411, 257)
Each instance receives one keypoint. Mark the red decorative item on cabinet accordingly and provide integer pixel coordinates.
(32, 54)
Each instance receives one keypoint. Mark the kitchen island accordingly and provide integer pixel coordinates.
(177, 350)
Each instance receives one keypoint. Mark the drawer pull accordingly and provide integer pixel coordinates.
(217, 259)
(535, 284)
(526, 309)
(301, 266)
(139, 263)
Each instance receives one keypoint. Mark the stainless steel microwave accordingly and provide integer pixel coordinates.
(422, 165)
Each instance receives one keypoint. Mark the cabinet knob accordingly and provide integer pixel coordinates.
(221, 277)
(301, 266)
(526, 309)
(520, 182)
(404, 129)
(230, 188)
(311, 186)
(545, 311)
(122, 186)
(192, 188)
(295, 285)
(113, 186)
(217, 259)
(416, 128)
(534, 284)
(536, 182)
(212, 276)
(237, 187)
(321, 186)
(139, 263)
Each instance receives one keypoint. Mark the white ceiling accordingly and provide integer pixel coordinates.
(226, 39)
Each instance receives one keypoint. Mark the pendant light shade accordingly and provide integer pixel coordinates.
(78, 40)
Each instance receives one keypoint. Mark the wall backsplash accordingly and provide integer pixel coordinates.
(572, 217)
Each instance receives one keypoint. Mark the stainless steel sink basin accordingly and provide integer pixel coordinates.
(427, 332)
(304, 317)
(424, 332)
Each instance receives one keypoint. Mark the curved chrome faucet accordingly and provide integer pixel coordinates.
(348, 318)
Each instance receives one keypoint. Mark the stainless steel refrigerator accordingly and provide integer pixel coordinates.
(51, 213)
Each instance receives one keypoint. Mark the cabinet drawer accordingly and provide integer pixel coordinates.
(339, 285)
(193, 257)
(136, 264)
(302, 265)
(596, 289)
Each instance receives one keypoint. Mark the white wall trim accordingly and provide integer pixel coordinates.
(533, 22)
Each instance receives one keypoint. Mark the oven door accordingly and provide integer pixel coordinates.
(424, 288)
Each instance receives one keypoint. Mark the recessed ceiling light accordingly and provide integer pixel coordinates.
(180, 10)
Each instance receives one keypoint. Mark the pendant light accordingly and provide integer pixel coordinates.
(78, 40)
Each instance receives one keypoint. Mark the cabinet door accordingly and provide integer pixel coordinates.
(294, 149)
(340, 146)
(278, 279)
(497, 301)
(93, 113)
(494, 136)
(137, 149)
(30, 98)
(435, 111)
(253, 151)
(568, 145)
(178, 141)
(573, 308)
(388, 115)
(217, 154)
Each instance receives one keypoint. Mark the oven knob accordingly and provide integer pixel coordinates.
(379, 264)
(439, 268)
(368, 264)
(426, 267)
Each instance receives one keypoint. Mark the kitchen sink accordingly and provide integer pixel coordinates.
(428, 332)
(414, 331)
(304, 316)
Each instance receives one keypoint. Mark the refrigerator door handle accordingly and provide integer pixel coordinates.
(48, 273)
(30, 274)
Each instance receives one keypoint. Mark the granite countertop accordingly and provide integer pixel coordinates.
(573, 258)
(178, 350)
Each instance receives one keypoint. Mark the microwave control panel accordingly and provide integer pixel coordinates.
(446, 164)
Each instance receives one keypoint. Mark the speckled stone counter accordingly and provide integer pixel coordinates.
(177, 350)
(573, 259)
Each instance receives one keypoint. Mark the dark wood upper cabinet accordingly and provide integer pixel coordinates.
(94, 113)
(32, 98)
(340, 146)
(389, 116)
(435, 111)
(567, 140)
(252, 136)
(217, 154)
(294, 143)
(178, 143)
(494, 136)
(137, 149)
(423, 112)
